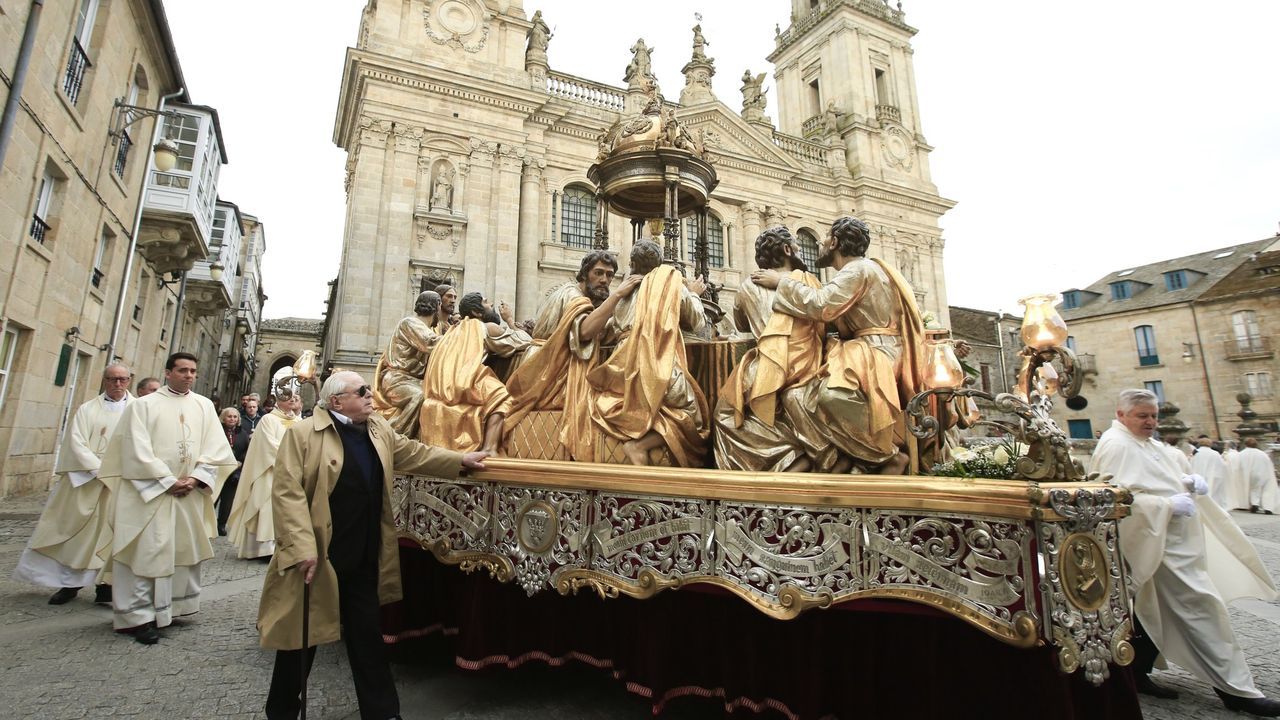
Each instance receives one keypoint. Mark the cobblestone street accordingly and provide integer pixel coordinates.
(64, 661)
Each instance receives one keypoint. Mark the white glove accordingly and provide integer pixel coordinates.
(1195, 483)
(1183, 505)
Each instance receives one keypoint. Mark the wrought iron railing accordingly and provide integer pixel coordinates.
(76, 66)
(39, 229)
(578, 90)
(122, 153)
(98, 275)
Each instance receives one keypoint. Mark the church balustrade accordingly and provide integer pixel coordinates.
(888, 113)
(800, 148)
(586, 92)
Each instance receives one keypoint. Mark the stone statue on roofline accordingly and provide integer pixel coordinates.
(640, 67)
(753, 94)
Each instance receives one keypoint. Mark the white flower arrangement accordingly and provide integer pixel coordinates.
(996, 460)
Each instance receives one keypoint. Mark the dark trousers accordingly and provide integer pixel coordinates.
(227, 498)
(375, 688)
(1144, 651)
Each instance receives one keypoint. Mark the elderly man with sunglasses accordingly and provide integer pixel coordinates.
(334, 531)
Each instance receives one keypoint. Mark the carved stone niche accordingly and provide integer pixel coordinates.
(428, 275)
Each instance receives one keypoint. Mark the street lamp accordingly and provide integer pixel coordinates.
(216, 271)
(165, 154)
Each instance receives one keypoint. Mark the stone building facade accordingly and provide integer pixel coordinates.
(74, 168)
(994, 360)
(468, 154)
(1196, 330)
(280, 342)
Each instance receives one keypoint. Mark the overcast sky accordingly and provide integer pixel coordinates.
(1077, 138)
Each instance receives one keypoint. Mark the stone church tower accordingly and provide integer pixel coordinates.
(467, 156)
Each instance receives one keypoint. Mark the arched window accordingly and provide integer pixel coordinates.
(808, 248)
(1145, 337)
(578, 217)
(1244, 325)
(715, 239)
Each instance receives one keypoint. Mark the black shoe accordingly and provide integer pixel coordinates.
(63, 596)
(1147, 687)
(1253, 508)
(1263, 707)
(147, 634)
(1267, 512)
(222, 530)
(102, 594)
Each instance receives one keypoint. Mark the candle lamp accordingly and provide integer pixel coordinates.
(1042, 326)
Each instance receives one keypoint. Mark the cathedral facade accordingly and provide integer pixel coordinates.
(468, 156)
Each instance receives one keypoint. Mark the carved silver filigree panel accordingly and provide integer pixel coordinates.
(767, 548)
(976, 562)
(540, 531)
(666, 536)
(1084, 587)
(434, 510)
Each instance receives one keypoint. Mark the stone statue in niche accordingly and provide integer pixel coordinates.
(442, 189)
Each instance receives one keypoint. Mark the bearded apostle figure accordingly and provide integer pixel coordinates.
(752, 432)
(554, 378)
(464, 403)
(1186, 558)
(397, 380)
(643, 394)
(251, 527)
(854, 408)
(167, 459)
(69, 545)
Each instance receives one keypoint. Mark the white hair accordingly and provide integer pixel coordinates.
(1129, 399)
(116, 364)
(335, 385)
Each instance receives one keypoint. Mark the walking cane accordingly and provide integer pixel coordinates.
(306, 621)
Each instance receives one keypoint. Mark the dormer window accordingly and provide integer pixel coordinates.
(1070, 299)
(1122, 290)
(1176, 280)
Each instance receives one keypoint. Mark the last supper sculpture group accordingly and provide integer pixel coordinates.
(643, 442)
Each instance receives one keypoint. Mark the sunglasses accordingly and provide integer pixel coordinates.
(361, 391)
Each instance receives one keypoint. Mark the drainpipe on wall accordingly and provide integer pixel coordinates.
(1204, 367)
(19, 75)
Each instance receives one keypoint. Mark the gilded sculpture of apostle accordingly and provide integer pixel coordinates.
(854, 408)
(753, 432)
(397, 381)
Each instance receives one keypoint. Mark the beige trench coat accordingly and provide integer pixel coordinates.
(307, 468)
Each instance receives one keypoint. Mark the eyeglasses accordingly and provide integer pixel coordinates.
(361, 391)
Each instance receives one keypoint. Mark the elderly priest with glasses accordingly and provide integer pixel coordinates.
(335, 532)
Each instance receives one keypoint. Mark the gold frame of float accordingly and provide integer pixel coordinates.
(619, 177)
(862, 545)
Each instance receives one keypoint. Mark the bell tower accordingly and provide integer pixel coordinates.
(844, 77)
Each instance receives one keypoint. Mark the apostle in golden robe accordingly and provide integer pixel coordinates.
(853, 411)
(464, 404)
(643, 394)
(397, 381)
(553, 376)
(752, 430)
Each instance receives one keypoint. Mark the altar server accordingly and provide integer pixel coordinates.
(1259, 475)
(1187, 560)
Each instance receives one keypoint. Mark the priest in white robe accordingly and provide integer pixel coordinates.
(1187, 559)
(1258, 474)
(1208, 464)
(167, 458)
(69, 545)
(1237, 491)
(251, 527)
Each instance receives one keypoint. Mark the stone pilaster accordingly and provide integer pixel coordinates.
(397, 233)
(504, 238)
(751, 229)
(526, 301)
(479, 178)
(354, 326)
